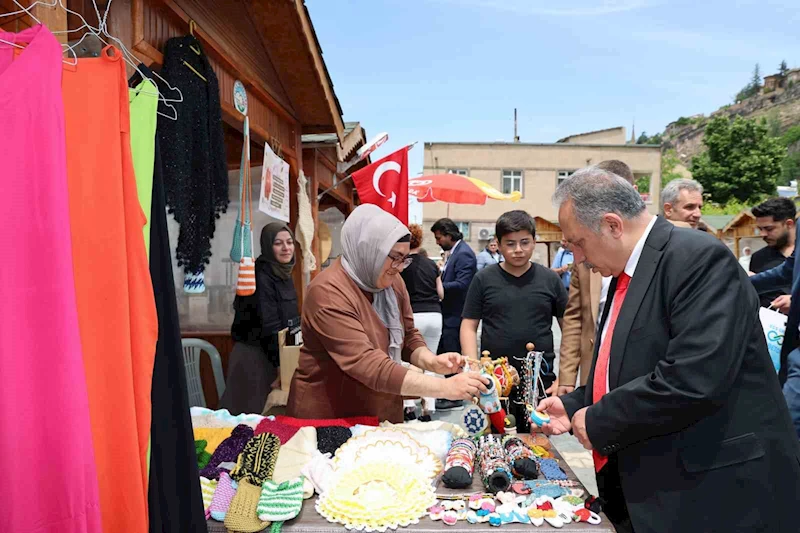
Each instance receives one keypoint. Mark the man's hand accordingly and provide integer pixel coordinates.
(579, 428)
(448, 363)
(551, 390)
(463, 386)
(564, 389)
(751, 274)
(559, 421)
(782, 303)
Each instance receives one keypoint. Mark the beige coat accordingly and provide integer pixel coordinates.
(578, 330)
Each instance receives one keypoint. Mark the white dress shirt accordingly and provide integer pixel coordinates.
(630, 269)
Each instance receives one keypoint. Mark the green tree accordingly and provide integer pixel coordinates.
(741, 161)
(642, 138)
(790, 169)
(753, 86)
(783, 69)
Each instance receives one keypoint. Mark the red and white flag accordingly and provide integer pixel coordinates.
(385, 183)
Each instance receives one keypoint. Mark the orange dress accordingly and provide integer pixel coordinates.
(116, 308)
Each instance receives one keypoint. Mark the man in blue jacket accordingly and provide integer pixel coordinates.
(456, 278)
(787, 273)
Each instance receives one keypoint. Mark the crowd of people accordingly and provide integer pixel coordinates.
(663, 371)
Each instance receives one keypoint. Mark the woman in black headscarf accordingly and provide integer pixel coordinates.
(254, 361)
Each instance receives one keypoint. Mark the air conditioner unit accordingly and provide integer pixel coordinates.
(484, 234)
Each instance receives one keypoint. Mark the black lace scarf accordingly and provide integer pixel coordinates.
(193, 152)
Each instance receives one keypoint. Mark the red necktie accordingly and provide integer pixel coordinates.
(599, 385)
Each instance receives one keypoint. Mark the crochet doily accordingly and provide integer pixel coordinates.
(382, 444)
(376, 496)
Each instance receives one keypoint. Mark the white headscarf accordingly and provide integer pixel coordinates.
(368, 235)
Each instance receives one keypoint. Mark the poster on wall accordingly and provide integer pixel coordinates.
(274, 197)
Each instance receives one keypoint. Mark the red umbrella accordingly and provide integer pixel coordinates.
(456, 189)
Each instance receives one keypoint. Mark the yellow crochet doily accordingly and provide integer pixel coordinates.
(386, 442)
(377, 496)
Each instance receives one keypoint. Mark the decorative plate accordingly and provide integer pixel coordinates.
(376, 496)
(240, 97)
(347, 454)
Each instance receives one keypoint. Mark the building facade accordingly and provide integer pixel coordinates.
(534, 169)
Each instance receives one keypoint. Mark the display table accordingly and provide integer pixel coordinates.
(309, 521)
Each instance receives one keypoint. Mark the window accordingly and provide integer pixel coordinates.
(463, 227)
(459, 171)
(562, 175)
(512, 181)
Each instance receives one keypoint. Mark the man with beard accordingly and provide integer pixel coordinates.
(775, 221)
(516, 300)
(457, 275)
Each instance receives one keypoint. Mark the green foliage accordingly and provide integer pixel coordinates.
(669, 162)
(734, 207)
(741, 161)
(772, 123)
(753, 86)
(783, 69)
(643, 184)
(790, 169)
(644, 139)
(791, 136)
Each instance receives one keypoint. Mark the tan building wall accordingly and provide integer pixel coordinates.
(540, 165)
(609, 136)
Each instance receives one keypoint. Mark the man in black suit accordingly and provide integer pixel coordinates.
(682, 408)
(456, 278)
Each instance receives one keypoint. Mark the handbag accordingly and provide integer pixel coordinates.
(242, 245)
(246, 280)
(774, 324)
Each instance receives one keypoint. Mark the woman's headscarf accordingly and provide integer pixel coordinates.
(267, 257)
(368, 235)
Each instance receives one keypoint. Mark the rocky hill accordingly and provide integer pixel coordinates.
(781, 108)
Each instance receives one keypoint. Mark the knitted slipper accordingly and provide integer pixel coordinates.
(226, 490)
(283, 431)
(280, 502)
(228, 451)
(257, 460)
(330, 438)
(208, 487)
(243, 512)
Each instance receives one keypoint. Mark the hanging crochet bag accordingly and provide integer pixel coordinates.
(246, 281)
(243, 246)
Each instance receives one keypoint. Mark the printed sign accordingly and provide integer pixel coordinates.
(274, 197)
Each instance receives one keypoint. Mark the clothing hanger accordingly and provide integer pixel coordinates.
(26, 11)
(130, 58)
(191, 32)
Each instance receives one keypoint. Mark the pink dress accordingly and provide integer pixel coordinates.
(49, 478)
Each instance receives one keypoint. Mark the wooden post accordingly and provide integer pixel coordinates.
(55, 18)
(313, 191)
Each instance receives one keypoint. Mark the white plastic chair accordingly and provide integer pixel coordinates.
(192, 350)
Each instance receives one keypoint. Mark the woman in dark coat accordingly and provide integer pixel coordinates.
(254, 361)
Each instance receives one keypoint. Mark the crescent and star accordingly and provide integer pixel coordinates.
(387, 166)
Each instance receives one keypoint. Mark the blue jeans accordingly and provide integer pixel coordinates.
(791, 389)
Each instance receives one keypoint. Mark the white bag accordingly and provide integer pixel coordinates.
(774, 324)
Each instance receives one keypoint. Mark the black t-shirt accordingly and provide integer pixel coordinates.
(516, 311)
(765, 259)
(420, 277)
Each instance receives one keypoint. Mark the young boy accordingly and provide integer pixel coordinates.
(516, 300)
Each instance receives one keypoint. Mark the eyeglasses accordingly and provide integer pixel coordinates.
(401, 262)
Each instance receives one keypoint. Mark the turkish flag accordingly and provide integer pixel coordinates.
(385, 183)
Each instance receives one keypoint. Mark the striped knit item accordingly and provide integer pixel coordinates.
(246, 282)
(207, 486)
(194, 283)
(257, 461)
(280, 502)
(223, 495)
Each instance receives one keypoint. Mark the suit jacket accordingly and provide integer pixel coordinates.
(580, 320)
(578, 329)
(786, 273)
(695, 414)
(458, 274)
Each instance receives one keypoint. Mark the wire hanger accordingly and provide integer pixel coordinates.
(191, 32)
(26, 10)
